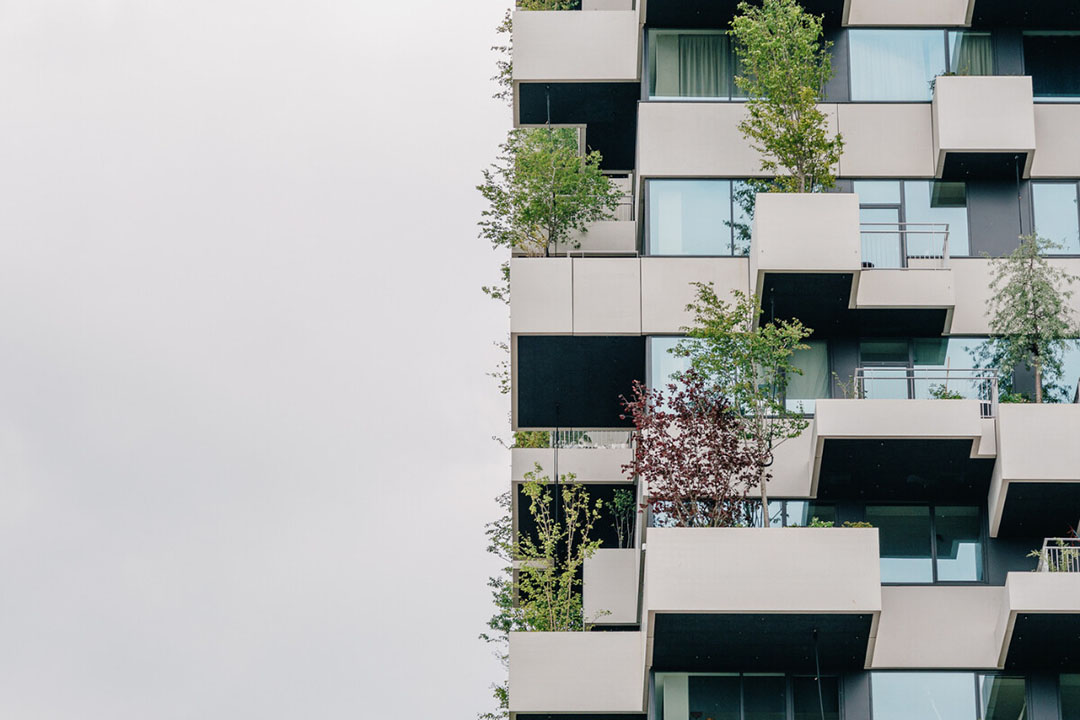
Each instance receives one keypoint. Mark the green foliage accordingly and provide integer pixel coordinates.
(748, 364)
(860, 524)
(532, 439)
(816, 522)
(1067, 559)
(623, 509)
(542, 191)
(507, 617)
(504, 67)
(785, 66)
(550, 564)
(941, 391)
(1031, 322)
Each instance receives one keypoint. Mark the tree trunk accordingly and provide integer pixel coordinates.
(764, 497)
(1038, 379)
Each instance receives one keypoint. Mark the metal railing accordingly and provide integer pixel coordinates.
(598, 439)
(893, 245)
(906, 383)
(624, 181)
(1060, 555)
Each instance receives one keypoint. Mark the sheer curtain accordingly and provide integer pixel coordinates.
(895, 65)
(971, 53)
(703, 66)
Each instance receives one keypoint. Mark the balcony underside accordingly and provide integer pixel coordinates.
(608, 110)
(1045, 641)
(822, 302)
(938, 470)
(1040, 509)
(1048, 14)
(748, 643)
(966, 166)
(718, 13)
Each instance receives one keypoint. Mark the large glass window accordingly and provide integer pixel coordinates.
(911, 220)
(947, 696)
(694, 217)
(662, 364)
(1070, 697)
(1052, 59)
(922, 544)
(803, 390)
(793, 513)
(689, 64)
(896, 65)
(970, 53)
(749, 696)
(1057, 215)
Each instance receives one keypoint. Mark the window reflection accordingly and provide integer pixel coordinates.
(1002, 697)
(895, 65)
(959, 544)
(904, 534)
(945, 696)
(1057, 217)
(1070, 697)
(693, 217)
(750, 696)
(662, 364)
(1052, 59)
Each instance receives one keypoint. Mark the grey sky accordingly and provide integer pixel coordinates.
(244, 424)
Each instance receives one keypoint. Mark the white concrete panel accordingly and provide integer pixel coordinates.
(577, 672)
(699, 139)
(983, 114)
(1025, 433)
(792, 468)
(612, 237)
(607, 4)
(971, 283)
(911, 288)
(553, 46)
(908, 13)
(666, 288)
(1057, 142)
(886, 140)
(803, 232)
(586, 464)
(610, 586)
(541, 295)
(938, 627)
(898, 419)
(1040, 592)
(774, 570)
(607, 296)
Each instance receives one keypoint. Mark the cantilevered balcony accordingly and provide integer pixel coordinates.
(611, 585)
(719, 599)
(1036, 482)
(616, 235)
(1039, 624)
(984, 127)
(592, 456)
(810, 256)
(577, 672)
(580, 68)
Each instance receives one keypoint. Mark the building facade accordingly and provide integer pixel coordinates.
(961, 120)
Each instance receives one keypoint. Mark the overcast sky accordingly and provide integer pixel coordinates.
(245, 454)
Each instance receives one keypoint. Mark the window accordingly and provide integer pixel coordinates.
(947, 696)
(661, 363)
(1070, 697)
(925, 544)
(900, 65)
(1052, 59)
(1057, 215)
(907, 220)
(803, 390)
(925, 368)
(733, 696)
(793, 513)
(694, 217)
(687, 64)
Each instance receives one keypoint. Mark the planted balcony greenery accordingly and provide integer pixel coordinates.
(623, 510)
(749, 364)
(784, 66)
(690, 451)
(1031, 322)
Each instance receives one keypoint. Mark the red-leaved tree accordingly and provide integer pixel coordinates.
(690, 452)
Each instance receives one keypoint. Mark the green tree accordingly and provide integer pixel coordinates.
(550, 563)
(784, 68)
(542, 191)
(1031, 322)
(749, 364)
(507, 616)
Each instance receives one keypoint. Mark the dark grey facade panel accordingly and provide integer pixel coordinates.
(998, 213)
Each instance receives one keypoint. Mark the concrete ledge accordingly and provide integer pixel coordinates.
(577, 672)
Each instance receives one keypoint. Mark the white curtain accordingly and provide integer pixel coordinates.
(971, 53)
(703, 66)
(895, 65)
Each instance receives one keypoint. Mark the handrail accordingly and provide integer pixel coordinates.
(903, 248)
(918, 383)
(1060, 555)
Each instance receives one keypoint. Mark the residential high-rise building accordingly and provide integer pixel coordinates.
(961, 121)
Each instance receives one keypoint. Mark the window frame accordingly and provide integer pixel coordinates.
(1065, 100)
(977, 676)
(984, 533)
(646, 225)
(789, 692)
(1031, 203)
(647, 57)
(902, 211)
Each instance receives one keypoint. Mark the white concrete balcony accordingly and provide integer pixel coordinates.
(725, 598)
(910, 13)
(977, 117)
(588, 465)
(564, 46)
(1039, 622)
(1035, 488)
(805, 233)
(610, 586)
(615, 236)
(577, 672)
